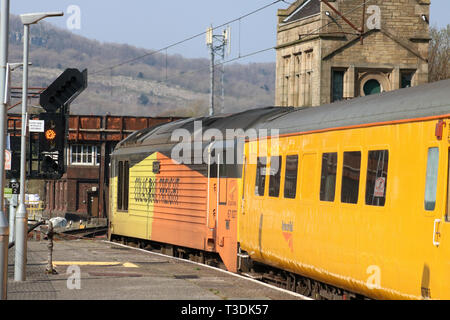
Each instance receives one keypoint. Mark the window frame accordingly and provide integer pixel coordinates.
(342, 177)
(334, 72)
(123, 185)
(81, 153)
(366, 168)
(435, 179)
(335, 176)
(296, 177)
(258, 177)
(272, 177)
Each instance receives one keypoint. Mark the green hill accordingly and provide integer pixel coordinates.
(157, 85)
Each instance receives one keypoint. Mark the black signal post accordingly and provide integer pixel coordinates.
(51, 143)
(56, 100)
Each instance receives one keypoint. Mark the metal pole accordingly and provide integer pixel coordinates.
(4, 240)
(211, 102)
(12, 215)
(4, 228)
(21, 215)
(223, 87)
(50, 269)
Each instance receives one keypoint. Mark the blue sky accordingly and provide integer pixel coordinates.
(157, 24)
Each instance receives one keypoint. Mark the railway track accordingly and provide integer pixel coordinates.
(306, 287)
(87, 233)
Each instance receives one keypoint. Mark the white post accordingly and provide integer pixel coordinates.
(21, 214)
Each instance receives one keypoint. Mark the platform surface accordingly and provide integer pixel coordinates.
(99, 270)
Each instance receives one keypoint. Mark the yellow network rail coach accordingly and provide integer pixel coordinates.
(346, 200)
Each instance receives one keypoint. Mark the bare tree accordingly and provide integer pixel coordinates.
(439, 54)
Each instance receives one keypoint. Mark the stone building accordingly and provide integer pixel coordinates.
(340, 49)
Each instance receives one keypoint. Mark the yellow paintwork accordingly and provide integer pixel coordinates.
(353, 245)
(137, 221)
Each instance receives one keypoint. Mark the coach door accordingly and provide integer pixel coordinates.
(441, 237)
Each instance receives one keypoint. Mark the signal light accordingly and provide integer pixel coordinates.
(63, 90)
(50, 134)
(51, 144)
(53, 137)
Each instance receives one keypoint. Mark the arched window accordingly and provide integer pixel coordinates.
(372, 86)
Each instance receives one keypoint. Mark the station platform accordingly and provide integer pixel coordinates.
(101, 270)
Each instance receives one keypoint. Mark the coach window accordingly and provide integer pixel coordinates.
(290, 181)
(350, 177)
(328, 177)
(123, 185)
(431, 179)
(376, 182)
(260, 176)
(275, 176)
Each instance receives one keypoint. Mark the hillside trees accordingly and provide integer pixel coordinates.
(439, 54)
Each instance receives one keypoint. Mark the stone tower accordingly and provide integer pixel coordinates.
(330, 50)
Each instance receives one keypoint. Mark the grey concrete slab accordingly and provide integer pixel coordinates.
(106, 271)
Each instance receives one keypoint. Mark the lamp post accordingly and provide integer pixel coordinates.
(4, 227)
(21, 215)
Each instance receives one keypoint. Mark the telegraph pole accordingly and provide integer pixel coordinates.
(217, 45)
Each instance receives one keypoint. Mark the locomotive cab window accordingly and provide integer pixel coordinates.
(431, 179)
(290, 180)
(275, 176)
(376, 182)
(350, 177)
(260, 183)
(328, 177)
(123, 185)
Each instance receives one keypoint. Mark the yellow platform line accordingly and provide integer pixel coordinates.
(94, 263)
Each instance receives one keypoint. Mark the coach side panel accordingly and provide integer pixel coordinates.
(341, 237)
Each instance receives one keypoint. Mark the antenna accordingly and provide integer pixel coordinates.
(209, 36)
(228, 40)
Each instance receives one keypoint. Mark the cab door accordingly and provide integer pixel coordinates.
(227, 209)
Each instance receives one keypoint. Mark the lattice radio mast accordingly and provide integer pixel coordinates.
(218, 45)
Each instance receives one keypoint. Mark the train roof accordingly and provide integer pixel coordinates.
(423, 101)
(428, 100)
(160, 136)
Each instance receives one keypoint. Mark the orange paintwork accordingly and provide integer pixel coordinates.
(179, 206)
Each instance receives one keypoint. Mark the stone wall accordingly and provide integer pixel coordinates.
(395, 46)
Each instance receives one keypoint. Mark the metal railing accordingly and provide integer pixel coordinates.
(34, 209)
